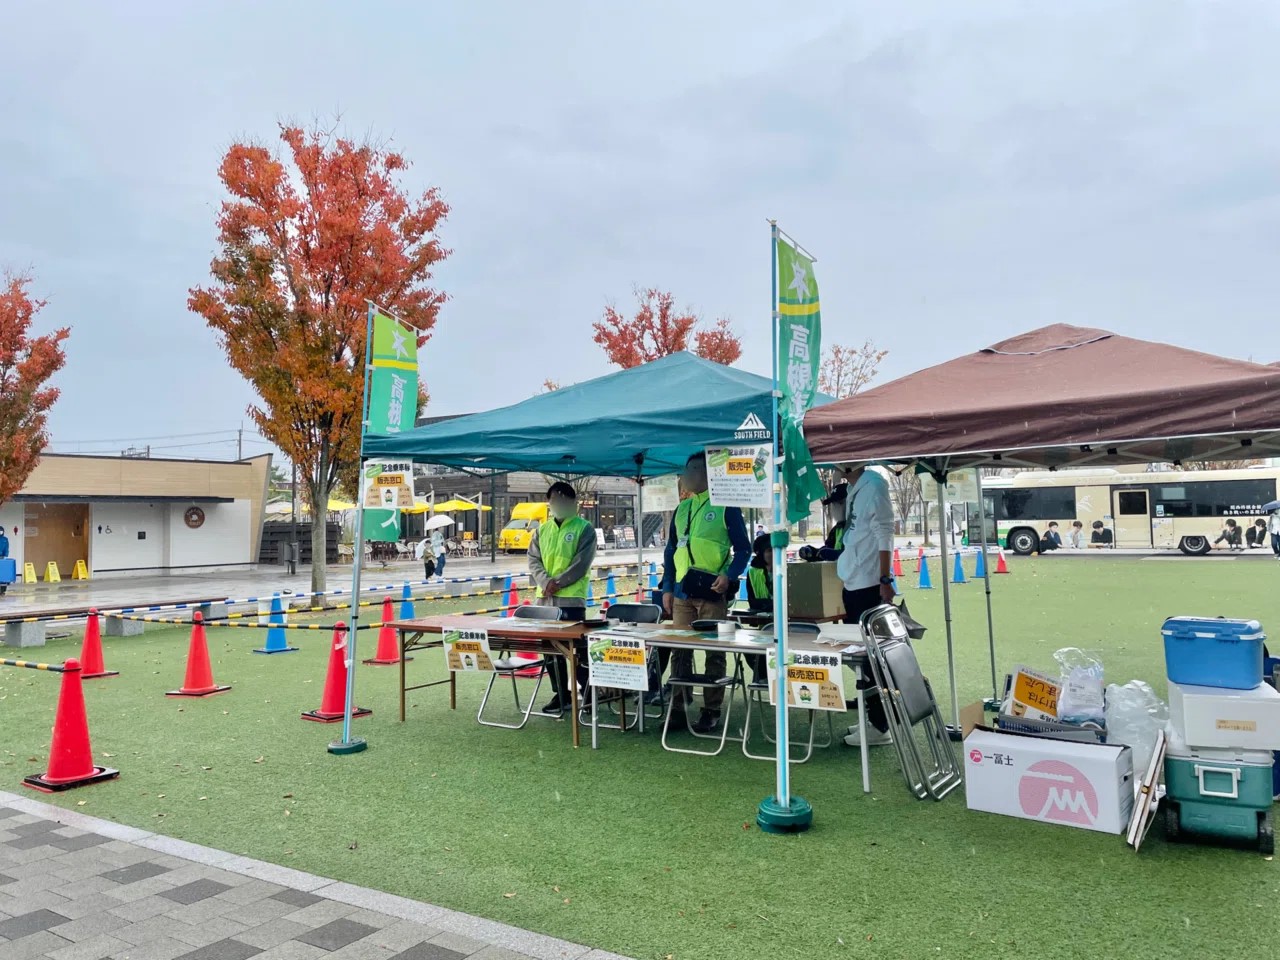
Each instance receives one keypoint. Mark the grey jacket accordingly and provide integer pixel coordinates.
(579, 568)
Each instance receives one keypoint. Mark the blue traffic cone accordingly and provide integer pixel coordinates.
(896, 591)
(926, 583)
(591, 594)
(276, 640)
(508, 600)
(980, 568)
(957, 575)
(406, 602)
(742, 589)
(653, 575)
(611, 588)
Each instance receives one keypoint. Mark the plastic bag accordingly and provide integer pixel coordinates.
(1135, 715)
(1081, 697)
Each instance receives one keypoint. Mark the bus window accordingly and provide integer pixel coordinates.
(1132, 503)
(1040, 503)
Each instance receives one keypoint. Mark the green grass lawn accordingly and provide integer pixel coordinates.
(653, 854)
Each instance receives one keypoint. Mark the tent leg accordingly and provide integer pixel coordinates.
(944, 529)
(986, 580)
(493, 518)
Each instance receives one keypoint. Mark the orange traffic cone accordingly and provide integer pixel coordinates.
(1001, 566)
(70, 754)
(91, 665)
(335, 684)
(388, 644)
(897, 563)
(199, 681)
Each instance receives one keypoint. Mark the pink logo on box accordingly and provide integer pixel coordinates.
(975, 756)
(1055, 790)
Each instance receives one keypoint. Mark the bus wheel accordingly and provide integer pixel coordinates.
(1023, 541)
(1194, 546)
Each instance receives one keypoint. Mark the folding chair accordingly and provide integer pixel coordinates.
(509, 667)
(928, 761)
(757, 691)
(730, 683)
(624, 613)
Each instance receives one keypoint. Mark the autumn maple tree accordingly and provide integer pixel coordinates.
(658, 328)
(846, 370)
(26, 364)
(308, 236)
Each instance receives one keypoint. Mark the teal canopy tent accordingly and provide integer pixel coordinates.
(641, 422)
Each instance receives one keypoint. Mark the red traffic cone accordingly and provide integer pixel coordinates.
(70, 754)
(897, 563)
(199, 681)
(1001, 566)
(335, 684)
(91, 665)
(388, 644)
(919, 559)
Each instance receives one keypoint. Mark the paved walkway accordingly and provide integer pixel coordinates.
(78, 888)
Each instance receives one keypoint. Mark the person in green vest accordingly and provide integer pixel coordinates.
(708, 549)
(560, 558)
(760, 593)
(833, 546)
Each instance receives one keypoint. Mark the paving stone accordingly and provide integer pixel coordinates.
(223, 950)
(498, 953)
(162, 949)
(152, 929)
(188, 851)
(24, 924)
(296, 897)
(143, 909)
(458, 943)
(6, 812)
(272, 934)
(371, 918)
(82, 842)
(293, 950)
(251, 891)
(201, 911)
(208, 931)
(285, 876)
(256, 913)
(5, 880)
(336, 934)
(389, 904)
(31, 902)
(134, 873)
(36, 827)
(429, 951)
(95, 903)
(320, 913)
(30, 841)
(89, 926)
(361, 950)
(402, 935)
(195, 891)
(37, 945)
(102, 947)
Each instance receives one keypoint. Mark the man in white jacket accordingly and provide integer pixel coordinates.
(865, 568)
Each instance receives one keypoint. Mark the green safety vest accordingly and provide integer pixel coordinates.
(837, 541)
(759, 578)
(702, 537)
(558, 543)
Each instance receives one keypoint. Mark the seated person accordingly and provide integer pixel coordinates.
(1231, 534)
(760, 594)
(834, 508)
(1256, 535)
(1075, 539)
(1051, 540)
(1101, 536)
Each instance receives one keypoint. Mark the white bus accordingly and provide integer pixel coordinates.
(1161, 509)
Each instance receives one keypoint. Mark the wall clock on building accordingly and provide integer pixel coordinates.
(194, 518)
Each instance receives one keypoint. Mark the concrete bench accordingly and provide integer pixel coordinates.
(119, 627)
(24, 634)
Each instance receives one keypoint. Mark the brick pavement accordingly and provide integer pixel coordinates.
(74, 887)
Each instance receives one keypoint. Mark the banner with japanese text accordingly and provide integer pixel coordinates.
(393, 383)
(799, 356)
(815, 680)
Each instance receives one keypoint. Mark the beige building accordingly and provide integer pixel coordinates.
(122, 515)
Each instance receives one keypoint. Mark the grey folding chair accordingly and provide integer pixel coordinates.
(920, 736)
(516, 669)
(731, 683)
(624, 613)
(757, 692)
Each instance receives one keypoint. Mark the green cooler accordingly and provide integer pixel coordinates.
(1223, 794)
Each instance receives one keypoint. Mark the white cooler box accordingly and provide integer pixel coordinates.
(1085, 785)
(1219, 717)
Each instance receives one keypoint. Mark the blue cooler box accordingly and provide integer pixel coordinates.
(1213, 653)
(8, 571)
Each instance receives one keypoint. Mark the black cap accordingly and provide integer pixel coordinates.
(838, 495)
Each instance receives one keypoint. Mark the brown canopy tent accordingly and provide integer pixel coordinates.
(1054, 397)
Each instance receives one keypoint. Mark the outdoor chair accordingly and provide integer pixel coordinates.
(731, 683)
(920, 736)
(758, 693)
(625, 613)
(515, 668)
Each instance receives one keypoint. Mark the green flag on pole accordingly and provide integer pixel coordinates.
(393, 385)
(799, 353)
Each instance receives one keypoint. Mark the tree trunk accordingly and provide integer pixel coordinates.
(319, 546)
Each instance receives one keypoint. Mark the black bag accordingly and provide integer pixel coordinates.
(430, 565)
(697, 586)
(915, 629)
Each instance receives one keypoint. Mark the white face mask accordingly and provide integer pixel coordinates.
(563, 509)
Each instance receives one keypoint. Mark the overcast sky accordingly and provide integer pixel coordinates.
(963, 172)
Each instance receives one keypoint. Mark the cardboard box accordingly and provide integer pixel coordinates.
(1085, 785)
(814, 591)
(1220, 717)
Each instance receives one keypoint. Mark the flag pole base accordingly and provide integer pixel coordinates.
(341, 749)
(772, 817)
(955, 734)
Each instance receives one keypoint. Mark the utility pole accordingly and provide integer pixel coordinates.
(240, 443)
(294, 553)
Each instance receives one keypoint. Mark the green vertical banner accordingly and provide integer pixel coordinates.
(799, 355)
(393, 383)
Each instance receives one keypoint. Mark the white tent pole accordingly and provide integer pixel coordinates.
(944, 529)
(986, 578)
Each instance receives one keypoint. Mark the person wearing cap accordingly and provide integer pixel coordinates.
(560, 558)
(864, 568)
(708, 549)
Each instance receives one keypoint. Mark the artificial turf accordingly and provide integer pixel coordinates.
(652, 854)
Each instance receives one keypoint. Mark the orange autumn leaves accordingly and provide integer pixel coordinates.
(658, 328)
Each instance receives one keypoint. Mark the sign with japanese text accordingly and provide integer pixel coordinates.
(739, 476)
(467, 651)
(386, 489)
(619, 660)
(661, 494)
(815, 680)
(799, 332)
(962, 487)
(393, 384)
(1035, 695)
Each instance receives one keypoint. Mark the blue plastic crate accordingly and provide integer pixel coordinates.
(1205, 652)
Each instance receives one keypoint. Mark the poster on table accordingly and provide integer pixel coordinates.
(467, 651)
(738, 476)
(815, 680)
(386, 488)
(617, 660)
